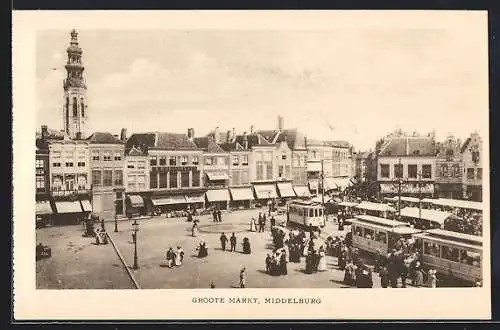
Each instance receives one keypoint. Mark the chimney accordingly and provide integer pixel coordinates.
(228, 136)
(280, 123)
(217, 135)
(233, 134)
(123, 135)
(245, 140)
(251, 129)
(45, 132)
(190, 134)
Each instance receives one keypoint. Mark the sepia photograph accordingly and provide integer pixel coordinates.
(348, 157)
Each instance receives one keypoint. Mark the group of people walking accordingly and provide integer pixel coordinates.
(276, 263)
(259, 225)
(217, 215)
(174, 258)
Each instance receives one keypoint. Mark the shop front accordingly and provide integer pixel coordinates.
(135, 206)
(448, 190)
(69, 212)
(217, 198)
(167, 204)
(241, 197)
(43, 213)
(195, 201)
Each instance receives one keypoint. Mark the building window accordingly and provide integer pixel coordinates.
(81, 164)
(236, 160)
(56, 164)
(384, 170)
(153, 161)
(130, 165)
(398, 170)
(236, 178)
(426, 171)
(172, 161)
(456, 170)
(39, 163)
(163, 180)
(244, 160)
(96, 178)
(470, 173)
(69, 154)
(141, 181)
(269, 171)
(196, 178)
(75, 107)
(40, 182)
(412, 171)
(107, 180)
(95, 155)
(173, 179)
(184, 179)
(107, 156)
(163, 161)
(196, 160)
(56, 154)
(82, 105)
(283, 157)
(449, 154)
(153, 180)
(141, 164)
(281, 171)
(131, 181)
(184, 160)
(118, 177)
(479, 173)
(444, 170)
(244, 177)
(475, 156)
(260, 171)
(209, 161)
(118, 156)
(69, 164)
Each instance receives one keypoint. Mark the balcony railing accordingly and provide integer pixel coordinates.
(67, 193)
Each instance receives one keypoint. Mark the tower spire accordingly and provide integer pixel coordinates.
(75, 108)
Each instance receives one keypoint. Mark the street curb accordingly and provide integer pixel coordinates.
(123, 262)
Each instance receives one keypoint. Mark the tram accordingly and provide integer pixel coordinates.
(370, 233)
(305, 214)
(376, 209)
(452, 254)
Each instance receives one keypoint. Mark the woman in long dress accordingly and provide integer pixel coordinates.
(253, 226)
(322, 260)
(179, 255)
(194, 230)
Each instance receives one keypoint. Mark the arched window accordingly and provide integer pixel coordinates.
(82, 107)
(75, 107)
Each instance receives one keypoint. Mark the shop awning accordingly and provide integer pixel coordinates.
(286, 190)
(429, 215)
(457, 203)
(86, 206)
(168, 200)
(241, 194)
(136, 201)
(217, 176)
(194, 198)
(313, 185)
(265, 191)
(337, 183)
(302, 191)
(43, 208)
(68, 207)
(217, 195)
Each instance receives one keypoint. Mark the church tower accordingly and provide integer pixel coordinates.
(75, 114)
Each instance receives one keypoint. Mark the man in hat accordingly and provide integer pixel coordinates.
(223, 241)
(170, 257)
(232, 240)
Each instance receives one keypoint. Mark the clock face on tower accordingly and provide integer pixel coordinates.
(75, 112)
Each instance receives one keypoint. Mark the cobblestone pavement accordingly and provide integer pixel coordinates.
(77, 263)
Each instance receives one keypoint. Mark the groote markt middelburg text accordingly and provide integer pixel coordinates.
(261, 208)
(253, 300)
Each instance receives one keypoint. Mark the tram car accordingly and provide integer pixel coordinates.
(452, 254)
(304, 214)
(370, 233)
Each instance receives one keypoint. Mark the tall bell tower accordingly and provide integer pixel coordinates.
(75, 114)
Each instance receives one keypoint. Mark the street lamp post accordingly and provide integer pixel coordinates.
(116, 218)
(135, 229)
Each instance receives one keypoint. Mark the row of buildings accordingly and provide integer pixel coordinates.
(420, 165)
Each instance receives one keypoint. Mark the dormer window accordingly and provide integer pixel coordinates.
(416, 152)
(475, 156)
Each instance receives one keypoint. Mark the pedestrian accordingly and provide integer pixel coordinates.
(214, 215)
(419, 276)
(384, 277)
(322, 260)
(268, 263)
(253, 226)
(243, 278)
(219, 215)
(212, 285)
(170, 257)
(263, 223)
(246, 246)
(273, 222)
(283, 262)
(432, 278)
(179, 256)
(102, 225)
(232, 241)
(194, 229)
(223, 241)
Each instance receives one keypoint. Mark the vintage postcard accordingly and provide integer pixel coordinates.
(251, 165)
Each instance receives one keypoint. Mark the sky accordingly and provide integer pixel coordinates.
(355, 85)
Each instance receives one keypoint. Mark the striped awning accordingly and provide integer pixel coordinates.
(68, 207)
(241, 194)
(217, 195)
(43, 208)
(194, 198)
(302, 191)
(265, 191)
(286, 190)
(136, 201)
(168, 200)
(86, 206)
